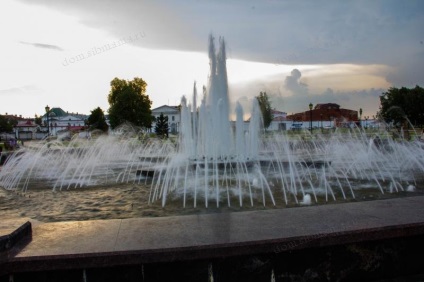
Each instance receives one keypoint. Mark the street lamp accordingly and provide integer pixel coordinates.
(86, 128)
(360, 116)
(310, 112)
(47, 108)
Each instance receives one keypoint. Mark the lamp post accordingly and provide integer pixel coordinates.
(310, 112)
(47, 108)
(360, 116)
(86, 128)
(321, 121)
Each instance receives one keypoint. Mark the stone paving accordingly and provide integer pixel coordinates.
(166, 239)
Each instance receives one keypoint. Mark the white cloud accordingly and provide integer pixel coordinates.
(351, 86)
(293, 83)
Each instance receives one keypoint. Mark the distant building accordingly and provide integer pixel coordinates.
(61, 122)
(26, 129)
(174, 117)
(324, 113)
(173, 113)
(279, 121)
(14, 117)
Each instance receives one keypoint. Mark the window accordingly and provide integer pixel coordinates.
(173, 118)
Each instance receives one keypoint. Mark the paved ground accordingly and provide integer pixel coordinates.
(8, 225)
(221, 229)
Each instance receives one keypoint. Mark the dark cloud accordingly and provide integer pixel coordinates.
(274, 31)
(42, 45)
(281, 32)
(409, 72)
(293, 83)
(163, 28)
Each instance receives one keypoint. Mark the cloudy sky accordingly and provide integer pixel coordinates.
(65, 53)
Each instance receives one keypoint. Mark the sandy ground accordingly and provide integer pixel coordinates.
(128, 201)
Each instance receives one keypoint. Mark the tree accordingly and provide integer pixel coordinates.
(265, 106)
(398, 104)
(129, 103)
(162, 127)
(97, 120)
(6, 125)
(38, 120)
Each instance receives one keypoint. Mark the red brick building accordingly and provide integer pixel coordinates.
(326, 112)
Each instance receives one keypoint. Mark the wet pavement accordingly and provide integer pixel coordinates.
(101, 243)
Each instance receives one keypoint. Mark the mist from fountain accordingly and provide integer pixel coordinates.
(106, 160)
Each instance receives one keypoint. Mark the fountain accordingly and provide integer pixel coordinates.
(213, 159)
(215, 163)
(222, 162)
(218, 162)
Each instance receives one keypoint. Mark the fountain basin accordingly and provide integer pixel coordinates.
(223, 240)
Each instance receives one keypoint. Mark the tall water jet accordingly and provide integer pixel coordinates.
(217, 155)
(216, 126)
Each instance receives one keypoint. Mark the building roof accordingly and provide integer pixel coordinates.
(279, 118)
(13, 117)
(326, 106)
(275, 112)
(26, 123)
(58, 112)
(166, 108)
(76, 128)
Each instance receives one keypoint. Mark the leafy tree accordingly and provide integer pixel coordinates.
(97, 120)
(397, 104)
(38, 120)
(265, 106)
(6, 125)
(162, 127)
(128, 102)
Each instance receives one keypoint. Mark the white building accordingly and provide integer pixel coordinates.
(174, 117)
(279, 121)
(26, 129)
(60, 121)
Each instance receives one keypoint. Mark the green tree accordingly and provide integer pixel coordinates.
(265, 106)
(162, 127)
(97, 120)
(6, 125)
(129, 103)
(38, 120)
(398, 104)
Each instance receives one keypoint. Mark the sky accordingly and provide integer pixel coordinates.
(65, 53)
